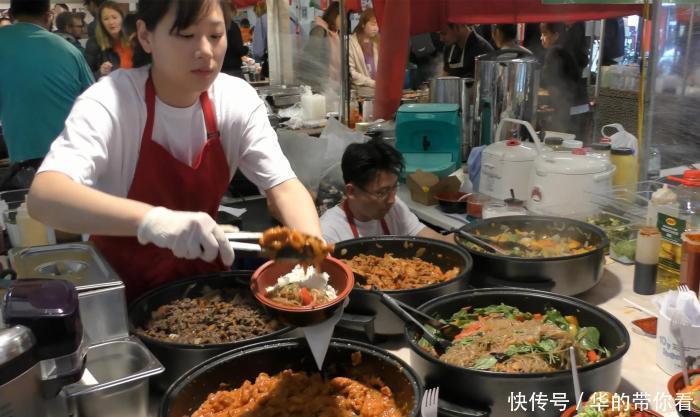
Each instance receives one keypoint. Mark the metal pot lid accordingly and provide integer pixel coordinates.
(507, 55)
(512, 151)
(569, 164)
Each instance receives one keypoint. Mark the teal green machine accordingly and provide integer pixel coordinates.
(429, 137)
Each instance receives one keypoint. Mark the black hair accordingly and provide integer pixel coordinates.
(362, 161)
(97, 3)
(330, 14)
(63, 20)
(186, 14)
(245, 23)
(129, 24)
(509, 31)
(29, 7)
(556, 27)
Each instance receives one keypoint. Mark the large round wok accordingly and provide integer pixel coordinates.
(491, 390)
(179, 357)
(366, 312)
(566, 275)
(233, 368)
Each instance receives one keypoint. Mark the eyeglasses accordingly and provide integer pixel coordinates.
(383, 193)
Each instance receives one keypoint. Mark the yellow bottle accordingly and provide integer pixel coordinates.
(32, 232)
(626, 171)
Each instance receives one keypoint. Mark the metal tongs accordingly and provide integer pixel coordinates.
(287, 253)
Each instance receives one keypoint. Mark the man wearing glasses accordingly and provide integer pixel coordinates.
(371, 173)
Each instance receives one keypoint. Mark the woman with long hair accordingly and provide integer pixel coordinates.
(110, 49)
(364, 51)
(319, 65)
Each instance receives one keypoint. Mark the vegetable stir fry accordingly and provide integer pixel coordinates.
(502, 338)
(532, 245)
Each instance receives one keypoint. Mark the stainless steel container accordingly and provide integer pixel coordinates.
(115, 382)
(506, 86)
(445, 90)
(100, 291)
(20, 382)
(455, 90)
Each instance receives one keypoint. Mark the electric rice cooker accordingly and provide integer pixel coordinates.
(563, 182)
(507, 165)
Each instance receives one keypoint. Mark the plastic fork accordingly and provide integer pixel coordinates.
(429, 403)
(677, 323)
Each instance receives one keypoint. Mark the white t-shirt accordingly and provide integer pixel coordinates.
(400, 220)
(99, 146)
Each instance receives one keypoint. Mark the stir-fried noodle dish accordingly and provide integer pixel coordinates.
(502, 338)
(302, 287)
(391, 273)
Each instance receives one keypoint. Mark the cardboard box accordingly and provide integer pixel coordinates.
(423, 186)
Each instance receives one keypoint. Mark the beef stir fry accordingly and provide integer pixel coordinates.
(310, 247)
(215, 318)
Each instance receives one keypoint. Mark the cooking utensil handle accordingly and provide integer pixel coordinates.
(243, 235)
(419, 314)
(396, 308)
(475, 240)
(527, 125)
(246, 247)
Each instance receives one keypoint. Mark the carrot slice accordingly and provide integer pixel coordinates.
(592, 356)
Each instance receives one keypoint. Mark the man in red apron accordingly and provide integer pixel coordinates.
(371, 208)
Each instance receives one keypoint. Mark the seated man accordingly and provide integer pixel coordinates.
(371, 173)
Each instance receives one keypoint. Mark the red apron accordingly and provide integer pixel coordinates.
(162, 180)
(353, 226)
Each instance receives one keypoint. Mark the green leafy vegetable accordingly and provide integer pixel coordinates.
(554, 317)
(588, 338)
(486, 362)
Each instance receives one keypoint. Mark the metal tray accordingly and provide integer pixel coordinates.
(78, 263)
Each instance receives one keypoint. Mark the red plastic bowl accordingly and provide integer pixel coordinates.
(675, 384)
(340, 277)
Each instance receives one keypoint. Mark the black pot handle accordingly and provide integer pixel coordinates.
(450, 409)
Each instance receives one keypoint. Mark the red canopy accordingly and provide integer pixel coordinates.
(432, 15)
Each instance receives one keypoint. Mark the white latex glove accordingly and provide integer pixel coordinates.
(187, 234)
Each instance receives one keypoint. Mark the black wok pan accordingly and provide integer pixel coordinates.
(234, 367)
(491, 390)
(366, 311)
(567, 275)
(179, 357)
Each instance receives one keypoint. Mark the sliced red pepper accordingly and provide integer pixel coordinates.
(592, 356)
(306, 297)
(537, 316)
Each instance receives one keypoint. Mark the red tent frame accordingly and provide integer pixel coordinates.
(432, 15)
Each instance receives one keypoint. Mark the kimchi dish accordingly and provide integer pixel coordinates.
(298, 394)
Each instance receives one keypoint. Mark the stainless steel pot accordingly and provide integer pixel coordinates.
(455, 90)
(366, 312)
(179, 357)
(490, 391)
(506, 83)
(566, 275)
(234, 367)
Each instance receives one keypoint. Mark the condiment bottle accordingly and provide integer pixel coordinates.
(32, 232)
(646, 260)
(690, 260)
(662, 197)
(626, 171)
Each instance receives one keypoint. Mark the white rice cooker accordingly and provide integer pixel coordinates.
(562, 183)
(507, 165)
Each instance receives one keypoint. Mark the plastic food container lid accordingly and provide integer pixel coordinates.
(601, 146)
